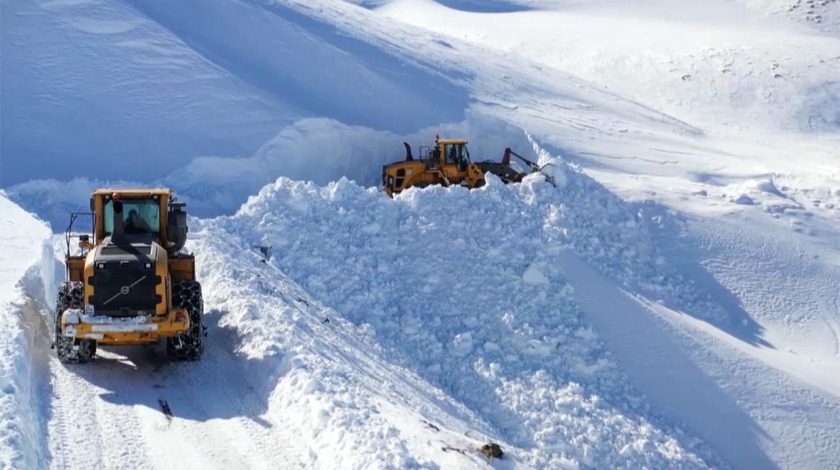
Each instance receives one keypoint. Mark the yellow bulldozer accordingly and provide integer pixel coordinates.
(448, 163)
(130, 281)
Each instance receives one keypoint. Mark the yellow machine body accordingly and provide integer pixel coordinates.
(446, 163)
(143, 327)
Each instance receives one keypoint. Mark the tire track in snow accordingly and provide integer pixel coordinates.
(118, 414)
(215, 392)
(72, 444)
(107, 413)
(94, 431)
(188, 391)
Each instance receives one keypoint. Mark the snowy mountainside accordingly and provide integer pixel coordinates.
(673, 303)
(624, 104)
(720, 64)
(133, 90)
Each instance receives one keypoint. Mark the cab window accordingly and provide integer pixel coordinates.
(455, 154)
(139, 216)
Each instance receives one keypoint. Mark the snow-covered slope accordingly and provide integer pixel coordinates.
(136, 89)
(718, 62)
(673, 303)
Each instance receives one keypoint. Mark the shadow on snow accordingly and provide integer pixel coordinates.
(216, 387)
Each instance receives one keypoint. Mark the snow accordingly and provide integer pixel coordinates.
(26, 273)
(143, 89)
(670, 302)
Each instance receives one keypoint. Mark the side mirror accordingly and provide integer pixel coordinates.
(176, 227)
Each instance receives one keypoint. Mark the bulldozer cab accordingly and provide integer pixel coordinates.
(447, 163)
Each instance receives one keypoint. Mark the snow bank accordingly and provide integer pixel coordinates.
(323, 150)
(463, 289)
(26, 275)
(317, 149)
(341, 397)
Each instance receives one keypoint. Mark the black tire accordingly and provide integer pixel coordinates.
(190, 345)
(71, 350)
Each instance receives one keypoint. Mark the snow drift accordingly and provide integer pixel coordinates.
(26, 279)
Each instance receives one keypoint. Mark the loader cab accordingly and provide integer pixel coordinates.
(151, 213)
(453, 156)
(455, 153)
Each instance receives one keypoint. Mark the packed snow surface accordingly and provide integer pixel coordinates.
(671, 301)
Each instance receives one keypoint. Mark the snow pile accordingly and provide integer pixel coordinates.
(463, 288)
(317, 149)
(338, 397)
(26, 275)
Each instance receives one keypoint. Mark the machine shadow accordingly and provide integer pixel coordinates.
(216, 387)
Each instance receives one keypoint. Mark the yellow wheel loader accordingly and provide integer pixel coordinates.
(448, 163)
(131, 283)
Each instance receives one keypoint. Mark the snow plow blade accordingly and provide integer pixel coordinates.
(123, 331)
(508, 174)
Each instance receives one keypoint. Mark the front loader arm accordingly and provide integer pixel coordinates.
(534, 167)
(506, 159)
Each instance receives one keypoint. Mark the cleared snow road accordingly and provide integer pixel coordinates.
(109, 414)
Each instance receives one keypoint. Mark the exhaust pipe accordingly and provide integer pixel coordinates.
(118, 233)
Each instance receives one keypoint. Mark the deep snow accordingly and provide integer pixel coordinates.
(26, 275)
(673, 303)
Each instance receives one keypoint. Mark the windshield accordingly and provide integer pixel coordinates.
(140, 215)
(456, 154)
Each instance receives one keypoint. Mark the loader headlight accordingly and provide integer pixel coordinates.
(148, 265)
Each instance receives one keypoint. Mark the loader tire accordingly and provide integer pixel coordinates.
(190, 345)
(71, 350)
